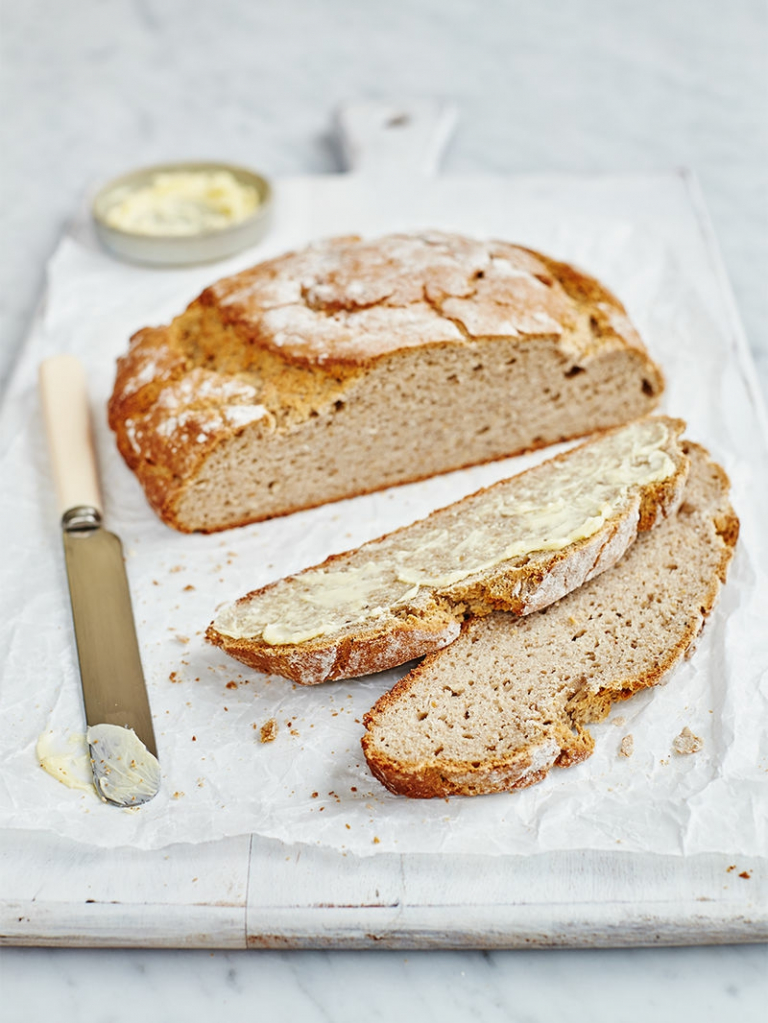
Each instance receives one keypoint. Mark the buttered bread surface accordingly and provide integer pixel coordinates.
(354, 365)
(518, 545)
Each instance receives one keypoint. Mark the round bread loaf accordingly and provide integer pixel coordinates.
(354, 365)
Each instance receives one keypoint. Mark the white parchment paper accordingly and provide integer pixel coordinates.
(311, 784)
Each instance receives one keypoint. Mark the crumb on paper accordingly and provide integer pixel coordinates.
(178, 795)
(619, 721)
(181, 639)
(268, 731)
(376, 839)
(746, 874)
(731, 868)
(686, 742)
(231, 685)
(188, 587)
(627, 746)
(174, 677)
(176, 568)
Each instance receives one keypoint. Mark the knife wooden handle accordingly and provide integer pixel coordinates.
(64, 397)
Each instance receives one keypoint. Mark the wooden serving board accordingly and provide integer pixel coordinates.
(251, 891)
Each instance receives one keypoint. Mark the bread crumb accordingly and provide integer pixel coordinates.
(746, 874)
(376, 840)
(174, 677)
(188, 587)
(686, 742)
(181, 639)
(177, 795)
(177, 568)
(231, 685)
(268, 731)
(627, 747)
(619, 721)
(729, 869)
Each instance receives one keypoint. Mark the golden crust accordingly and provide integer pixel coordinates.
(267, 349)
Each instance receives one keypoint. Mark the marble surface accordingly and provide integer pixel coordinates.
(93, 88)
(664, 985)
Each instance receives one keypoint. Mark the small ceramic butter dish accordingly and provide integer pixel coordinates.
(182, 213)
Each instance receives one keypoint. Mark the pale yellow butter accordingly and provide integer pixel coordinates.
(66, 758)
(328, 589)
(128, 771)
(181, 203)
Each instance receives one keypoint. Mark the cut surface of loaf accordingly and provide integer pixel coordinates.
(354, 365)
(518, 545)
(511, 697)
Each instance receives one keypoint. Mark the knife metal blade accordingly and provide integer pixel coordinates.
(120, 732)
(110, 663)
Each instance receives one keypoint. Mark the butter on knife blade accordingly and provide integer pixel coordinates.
(124, 771)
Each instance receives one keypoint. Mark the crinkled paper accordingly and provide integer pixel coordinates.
(311, 783)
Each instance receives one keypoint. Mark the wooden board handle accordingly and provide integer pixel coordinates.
(64, 397)
(384, 138)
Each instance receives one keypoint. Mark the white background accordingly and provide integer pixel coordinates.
(93, 88)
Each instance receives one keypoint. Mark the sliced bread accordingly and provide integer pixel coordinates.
(354, 365)
(511, 697)
(518, 545)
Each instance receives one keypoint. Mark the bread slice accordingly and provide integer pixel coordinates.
(355, 365)
(511, 697)
(518, 545)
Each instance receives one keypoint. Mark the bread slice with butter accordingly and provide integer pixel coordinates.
(354, 365)
(511, 698)
(519, 545)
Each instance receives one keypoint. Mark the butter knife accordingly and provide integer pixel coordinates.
(120, 733)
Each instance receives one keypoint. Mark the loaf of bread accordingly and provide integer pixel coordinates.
(512, 696)
(518, 545)
(355, 365)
